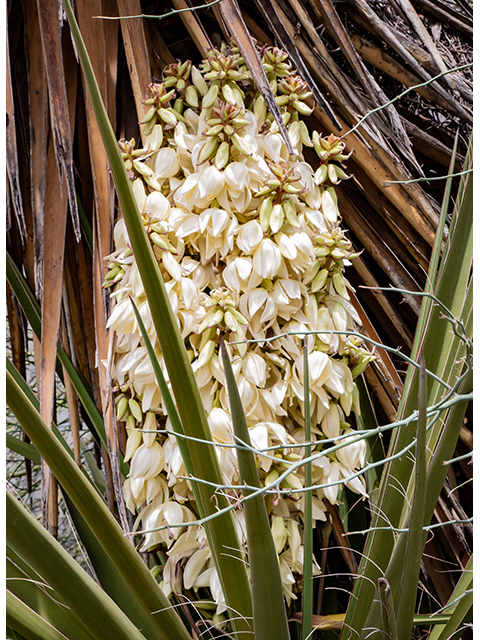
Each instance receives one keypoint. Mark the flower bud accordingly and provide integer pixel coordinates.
(199, 81)
(260, 109)
(264, 213)
(291, 213)
(228, 94)
(191, 96)
(210, 97)
(149, 429)
(321, 174)
(319, 280)
(167, 116)
(130, 423)
(222, 155)
(242, 145)
(302, 108)
(339, 284)
(133, 442)
(208, 150)
(135, 409)
(276, 218)
(121, 407)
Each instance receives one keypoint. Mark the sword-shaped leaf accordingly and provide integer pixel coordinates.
(269, 613)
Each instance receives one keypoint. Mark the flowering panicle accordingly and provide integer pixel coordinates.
(248, 241)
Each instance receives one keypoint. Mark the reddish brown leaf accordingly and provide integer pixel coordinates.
(50, 33)
(54, 241)
(38, 112)
(195, 28)
(11, 150)
(136, 51)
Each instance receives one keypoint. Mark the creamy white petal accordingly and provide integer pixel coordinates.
(267, 259)
(158, 205)
(254, 368)
(249, 236)
(166, 163)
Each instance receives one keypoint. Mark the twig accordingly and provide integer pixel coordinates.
(165, 15)
(400, 95)
(450, 175)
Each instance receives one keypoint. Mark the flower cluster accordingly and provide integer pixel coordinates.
(248, 241)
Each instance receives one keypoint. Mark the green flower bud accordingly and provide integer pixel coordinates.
(319, 280)
(276, 218)
(210, 96)
(167, 116)
(130, 423)
(229, 130)
(178, 106)
(208, 150)
(260, 109)
(291, 213)
(222, 155)
(215, 130)
(199, 81)
(272, 476)
(302, 108)
(264, 213)
(339, 284)
(135, 409)
(191, 96)
(311, 272)
(121, 407)
(160, 241)
(337, 254)
(241, 144)
(229, 95)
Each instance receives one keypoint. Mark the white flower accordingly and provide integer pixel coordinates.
(352, 455)
(331, 422)
(157, 204)
(194, 566)
(245, 265)
(254, 369)
(267, 259)
(249, 236)
(237, 272)
(147, 462)
(259, 308)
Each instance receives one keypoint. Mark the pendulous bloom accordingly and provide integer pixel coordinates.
(249, 244)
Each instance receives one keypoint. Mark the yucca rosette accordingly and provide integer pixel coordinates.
(248, 241)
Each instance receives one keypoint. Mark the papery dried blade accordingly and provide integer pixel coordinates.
(271, 16)
(50, 32)
(369, 83)
(136, 51)
(55, 225)
(11, 150)
(38, 125)
(194, 26)
(97, 35)
(234, 22)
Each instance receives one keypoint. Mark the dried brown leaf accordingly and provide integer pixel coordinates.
(194, 27)
(11, 150)
(136, 51)
(52, 50)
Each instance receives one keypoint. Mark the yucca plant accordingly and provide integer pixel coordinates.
(131, 592)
